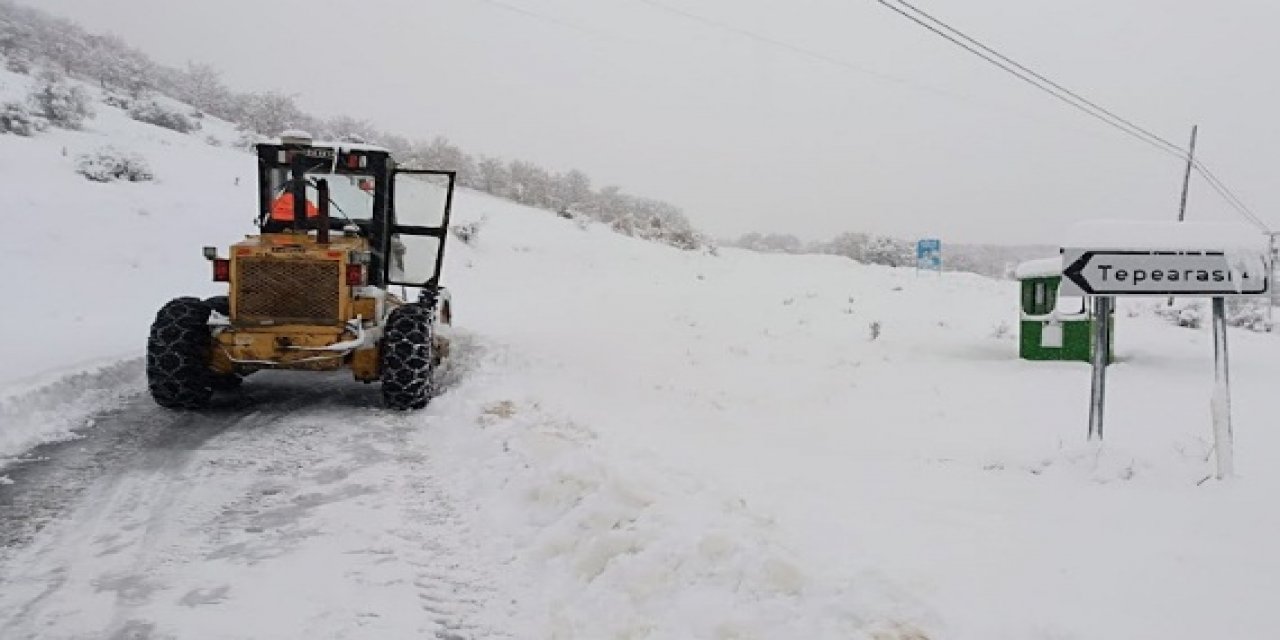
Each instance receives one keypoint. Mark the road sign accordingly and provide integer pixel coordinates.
(929, 254)
(1158, 273)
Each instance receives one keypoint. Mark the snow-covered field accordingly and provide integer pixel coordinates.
(633, 442)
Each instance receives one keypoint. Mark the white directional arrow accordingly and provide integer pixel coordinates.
(1156, 273)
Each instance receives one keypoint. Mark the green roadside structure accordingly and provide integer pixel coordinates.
(1053, 326)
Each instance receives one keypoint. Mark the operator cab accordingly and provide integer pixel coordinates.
(355, 189)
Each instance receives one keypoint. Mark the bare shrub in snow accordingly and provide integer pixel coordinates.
(466, 232)
(61, 103)
(152, 112)
(17, 118)
(1001, 331)
(108, 165)
(119, 101)
(874, 327)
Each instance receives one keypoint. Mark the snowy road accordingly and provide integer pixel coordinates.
(646, 443)
(298, 507)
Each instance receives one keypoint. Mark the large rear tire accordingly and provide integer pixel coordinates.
(178, 373)
(407, 358)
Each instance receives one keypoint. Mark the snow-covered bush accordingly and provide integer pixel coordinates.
(61, 103)
(18, 61)
(1188, 314)
(657, 222)
(117, 100)
(108, 164)
(152, 112)
(17, 118)
(888, 251)
(1245, 313)
(1250, 313)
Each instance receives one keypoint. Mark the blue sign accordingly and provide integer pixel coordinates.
(929, 254)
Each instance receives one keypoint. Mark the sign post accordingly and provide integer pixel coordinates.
(1114, 259)
(1221, 403)
(1101, 352)
(929, 254)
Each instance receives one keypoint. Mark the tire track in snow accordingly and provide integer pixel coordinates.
(450, 588)
(157, 517)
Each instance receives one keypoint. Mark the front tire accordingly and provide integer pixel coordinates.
(178, 373)
(407, 358)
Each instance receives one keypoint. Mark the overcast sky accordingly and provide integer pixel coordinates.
(748, 136)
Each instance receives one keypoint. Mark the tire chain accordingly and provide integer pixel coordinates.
(407, 358)
(178, 373)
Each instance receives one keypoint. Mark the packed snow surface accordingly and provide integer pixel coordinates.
(630, 442)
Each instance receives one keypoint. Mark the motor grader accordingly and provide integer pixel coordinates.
(341, 228)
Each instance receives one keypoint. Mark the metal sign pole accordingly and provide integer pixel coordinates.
(1101, 353)
(1271, 271)
(1221, 404)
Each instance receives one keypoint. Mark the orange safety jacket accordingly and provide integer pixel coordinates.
(282, 208)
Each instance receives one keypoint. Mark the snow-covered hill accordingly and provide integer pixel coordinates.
(633, 441)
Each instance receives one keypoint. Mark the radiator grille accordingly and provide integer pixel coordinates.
(287, 291)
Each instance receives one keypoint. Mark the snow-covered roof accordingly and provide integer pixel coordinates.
(1166, 236)
(340, 146)
(1041, 268)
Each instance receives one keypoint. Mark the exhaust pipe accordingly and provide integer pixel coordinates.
(299, 189)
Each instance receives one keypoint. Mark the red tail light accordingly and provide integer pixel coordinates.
(355, 275)
(222, 270)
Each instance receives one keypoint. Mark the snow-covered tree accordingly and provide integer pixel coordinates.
(442, 154)
(493, 176)
(200, 86)
(17, 118)
(771, 243)
(270, 113)
(888, 251)
(571, 191)
(530, 184)
(348, 129)
(399, 146)
(152, 112)
(60, 102)
(850, 245)
(62, 43)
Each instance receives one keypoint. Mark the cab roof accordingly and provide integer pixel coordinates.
(340, 146)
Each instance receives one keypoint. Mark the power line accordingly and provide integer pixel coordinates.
(960, 39)
(1129, 130)
(809, 53)
(1077, 97)
(1073, 99)
(1230, 196)
(546, 18)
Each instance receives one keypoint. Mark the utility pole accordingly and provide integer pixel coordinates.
(1186, 178)
(1186, 181)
